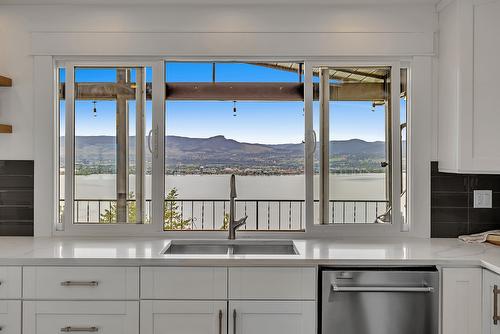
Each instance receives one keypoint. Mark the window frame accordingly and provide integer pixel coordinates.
(68, 226)
(158, 192)
(396, 224)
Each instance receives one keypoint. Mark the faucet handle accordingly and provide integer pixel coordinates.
(241, 221)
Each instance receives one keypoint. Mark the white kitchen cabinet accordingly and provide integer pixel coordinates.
(469, 44)
(10, 282)
(272, 317)
(491, 294)
(183, 317)
(183, 283)
(87, 283)
(461, 300)
(103, 317)
(272, 283)
(10, 316)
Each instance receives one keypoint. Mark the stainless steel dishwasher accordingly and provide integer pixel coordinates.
(379, 300)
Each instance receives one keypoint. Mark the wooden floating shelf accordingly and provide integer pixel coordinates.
(4, 128)
(5, 82)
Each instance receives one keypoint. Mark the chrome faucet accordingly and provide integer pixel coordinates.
(234, 224)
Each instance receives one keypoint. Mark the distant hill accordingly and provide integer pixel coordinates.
(223, 152)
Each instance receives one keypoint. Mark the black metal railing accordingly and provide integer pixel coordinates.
(212, 214)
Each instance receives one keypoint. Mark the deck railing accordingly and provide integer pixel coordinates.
(210, 214)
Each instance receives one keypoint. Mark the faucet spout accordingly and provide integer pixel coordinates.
(233, 223)
(232, 192)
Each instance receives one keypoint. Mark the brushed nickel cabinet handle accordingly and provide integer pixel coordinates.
(220, 321)
(496, 316)
(80, 283)
(69, 329)
(234, 321)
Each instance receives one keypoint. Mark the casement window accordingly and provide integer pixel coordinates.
(151, 146)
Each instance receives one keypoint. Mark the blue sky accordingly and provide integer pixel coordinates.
(255, 122)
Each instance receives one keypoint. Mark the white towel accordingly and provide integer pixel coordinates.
(478, 237)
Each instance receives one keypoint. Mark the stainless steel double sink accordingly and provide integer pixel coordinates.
(231, 247)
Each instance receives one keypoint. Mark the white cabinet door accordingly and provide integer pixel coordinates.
(461, 300)
(485, 118)
(102, 317)
(183, 317)
(10, 282)
(469, 43)
(10, 316)
(184, 283)
(272, 283)
(491, 287)
(272, 317)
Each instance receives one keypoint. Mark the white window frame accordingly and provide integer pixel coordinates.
(155, 228)
(68, 227)
(396, 224)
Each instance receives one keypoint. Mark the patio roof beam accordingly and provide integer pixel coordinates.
(241, 91)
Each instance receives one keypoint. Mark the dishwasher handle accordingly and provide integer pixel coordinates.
(424, 289)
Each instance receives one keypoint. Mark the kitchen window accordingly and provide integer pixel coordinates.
(358, 163)
(226, 118)
(150, 146)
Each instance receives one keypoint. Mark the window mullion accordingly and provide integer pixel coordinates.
(69, 153)
(396, 144)
(158, 177)
(310, 145)
(324, 125)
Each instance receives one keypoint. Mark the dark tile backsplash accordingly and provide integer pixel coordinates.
(452, 198)
(16, 198)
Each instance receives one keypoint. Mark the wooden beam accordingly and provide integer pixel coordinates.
(240, 91)
(368, 92)
(235, 91)
(5, 82)
(4, 128)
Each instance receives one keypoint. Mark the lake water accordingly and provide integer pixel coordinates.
(346, 187)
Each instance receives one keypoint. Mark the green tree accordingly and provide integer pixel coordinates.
(225, 223)
(109, 215)
(172, 218)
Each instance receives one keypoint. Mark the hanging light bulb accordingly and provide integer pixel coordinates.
(95, 108)
(234, 108)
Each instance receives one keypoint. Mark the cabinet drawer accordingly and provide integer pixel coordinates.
(183, 283)
(272, 283)
(90, 283)
(102, 317)
(10, 317)
(10, 282)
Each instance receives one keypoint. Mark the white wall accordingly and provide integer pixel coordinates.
(18, 22)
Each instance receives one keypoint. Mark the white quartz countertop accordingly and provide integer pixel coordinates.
(352, 251)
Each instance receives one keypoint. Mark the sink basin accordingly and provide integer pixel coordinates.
(231, 247)
(180, 248)
(277, 249)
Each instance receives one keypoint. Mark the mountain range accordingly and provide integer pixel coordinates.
(223, 152)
